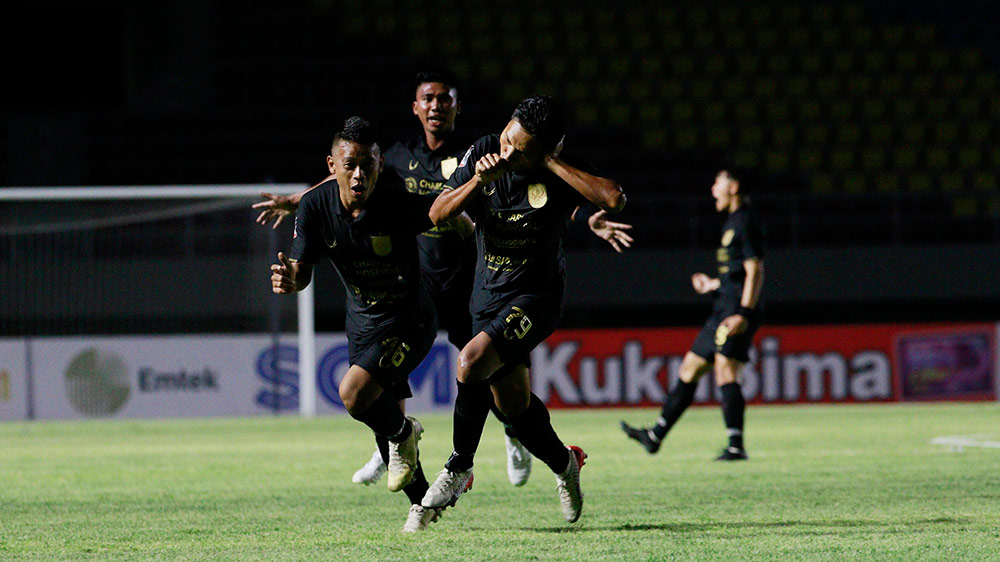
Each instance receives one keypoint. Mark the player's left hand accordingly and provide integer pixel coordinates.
(737, 324)
(614, 232)
(275, 207)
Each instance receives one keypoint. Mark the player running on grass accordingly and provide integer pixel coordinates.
(447, 258)
(366, 224)
(520, 192)
(725, 338)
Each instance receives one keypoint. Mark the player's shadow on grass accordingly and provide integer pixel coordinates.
(720, 525)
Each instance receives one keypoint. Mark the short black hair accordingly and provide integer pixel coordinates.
(543, 117)
(436, 74)
(357, 129)
(739, 174)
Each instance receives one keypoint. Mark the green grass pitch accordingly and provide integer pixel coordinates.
(822, 483)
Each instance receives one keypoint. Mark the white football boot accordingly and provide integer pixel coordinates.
(447, 487)
(421, 517)
(371, 471)
(403, 458)
(518, 461)
(568, 485)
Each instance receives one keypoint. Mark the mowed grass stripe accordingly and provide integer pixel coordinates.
(823, 482)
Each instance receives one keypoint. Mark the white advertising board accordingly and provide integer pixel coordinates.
(192, 376)
(13, 381)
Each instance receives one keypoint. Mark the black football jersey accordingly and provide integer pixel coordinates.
(375, 254)
(742, 239)
(520, 219)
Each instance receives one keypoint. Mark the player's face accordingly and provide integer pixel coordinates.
(723, 190)
(436, 105)
(356, 167)
(519, 148)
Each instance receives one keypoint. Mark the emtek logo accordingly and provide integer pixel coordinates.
(151, 380)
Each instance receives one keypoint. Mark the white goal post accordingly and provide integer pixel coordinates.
(306, 324)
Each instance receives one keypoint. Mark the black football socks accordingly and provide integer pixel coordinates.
(385, 418)
(733, 407)
(677, 401)
(534, 428)
(472, 405)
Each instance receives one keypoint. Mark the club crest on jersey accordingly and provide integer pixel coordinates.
(537, 195)
(727, 237)
(381, 245)
(448, 167)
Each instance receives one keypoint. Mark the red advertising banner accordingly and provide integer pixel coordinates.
(788, 365)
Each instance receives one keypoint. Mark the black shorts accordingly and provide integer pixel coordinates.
(391, 354)
(452, 308)
(711, 340)
(519, 325)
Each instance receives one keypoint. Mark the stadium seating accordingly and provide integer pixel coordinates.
(823, 99)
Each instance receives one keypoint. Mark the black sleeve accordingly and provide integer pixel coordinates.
(467, 165)
(753, 233)
(306, 238)
(396, 157)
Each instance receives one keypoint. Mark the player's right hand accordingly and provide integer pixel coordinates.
(703, 283)
(282, 276)
(275, 207)
(490, 168)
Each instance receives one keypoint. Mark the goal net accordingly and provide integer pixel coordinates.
(93, 263)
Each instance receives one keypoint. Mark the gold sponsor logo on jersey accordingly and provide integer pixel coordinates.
(448, 167)
(411, 184)
(413, 164)
(537, 195)
(381, 245)
(727, 237)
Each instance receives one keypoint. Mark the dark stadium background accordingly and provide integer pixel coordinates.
(871, 128)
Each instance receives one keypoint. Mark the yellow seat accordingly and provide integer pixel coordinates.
(969, 157)
(937, 158)
(842, 159)
(821, 184)
(873, 158)
(946, 132)
(904, 158)
(855, 183)
(919, 182)
(809, 160)
(654, 138)
(886, 183)
(952, 182)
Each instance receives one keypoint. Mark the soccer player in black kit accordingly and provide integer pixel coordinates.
(724, 341)
(520, 192)
(366, 223)
(447, 257)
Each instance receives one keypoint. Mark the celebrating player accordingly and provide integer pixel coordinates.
(447, 257)
(366, 224)
(725, 338)
(520, 192)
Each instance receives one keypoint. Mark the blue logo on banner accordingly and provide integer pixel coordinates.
(279, 366)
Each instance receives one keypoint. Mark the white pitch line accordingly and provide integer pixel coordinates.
(957, 442)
